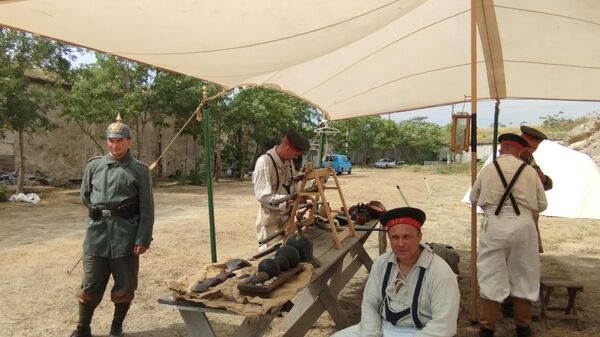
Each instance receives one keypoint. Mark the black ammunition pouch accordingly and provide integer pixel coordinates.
(126, 209)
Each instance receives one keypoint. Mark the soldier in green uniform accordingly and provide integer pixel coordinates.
(117, 189)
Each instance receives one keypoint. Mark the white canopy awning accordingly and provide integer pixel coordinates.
(347, 57)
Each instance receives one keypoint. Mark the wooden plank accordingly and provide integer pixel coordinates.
(382, 242)
(167, 301)
(254, 327)
(548, 283)
(304, 322)
(552, 315)
(364, 257)
(330, 302)
(197, 324)
(341, 278)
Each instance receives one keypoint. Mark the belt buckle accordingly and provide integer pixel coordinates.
(106, 213)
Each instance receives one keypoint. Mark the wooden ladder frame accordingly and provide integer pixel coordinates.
(320, 177)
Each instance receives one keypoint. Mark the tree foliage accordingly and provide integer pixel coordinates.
(419, 140)
(260, 116)
(415, 140)
(23, 106)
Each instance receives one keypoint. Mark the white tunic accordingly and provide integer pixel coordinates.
(508, 259)
(266, 190)
(439, 300)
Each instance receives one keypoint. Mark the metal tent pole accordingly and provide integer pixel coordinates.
(494, 141)
(320, 152)
(208, 171)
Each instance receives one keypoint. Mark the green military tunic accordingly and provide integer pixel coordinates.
(106, 184)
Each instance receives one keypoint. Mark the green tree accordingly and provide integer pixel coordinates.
(141, 94)
(419, 140)
(23, 106)
(364, 135)
(258, 117)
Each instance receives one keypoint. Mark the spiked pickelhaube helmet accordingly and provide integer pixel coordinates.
(118, 129)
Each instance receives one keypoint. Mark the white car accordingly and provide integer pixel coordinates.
(385, 163)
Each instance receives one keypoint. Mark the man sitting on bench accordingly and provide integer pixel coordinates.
(410, 291)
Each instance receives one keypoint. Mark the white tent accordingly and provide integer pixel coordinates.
(347, 57)
(576, 190)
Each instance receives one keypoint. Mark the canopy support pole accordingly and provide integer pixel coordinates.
(474, 292)
(494, 140)
(208, 171)
(320, 152)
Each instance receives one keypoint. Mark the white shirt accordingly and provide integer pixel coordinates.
(439, 298)
(527, 191)
(266, 190)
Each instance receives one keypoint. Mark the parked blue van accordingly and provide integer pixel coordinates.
(339, 162)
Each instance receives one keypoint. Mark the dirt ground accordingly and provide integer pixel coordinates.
(39, 243)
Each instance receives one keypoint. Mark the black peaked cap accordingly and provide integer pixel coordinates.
(297, 140)
(403, 212)
(513, 138)
(533, 132)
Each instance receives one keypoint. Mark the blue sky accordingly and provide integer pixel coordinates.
(512, 112)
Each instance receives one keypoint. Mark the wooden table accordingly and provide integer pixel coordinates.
(338, 266)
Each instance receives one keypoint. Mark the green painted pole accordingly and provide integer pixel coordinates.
(208, 171)
(321, 145)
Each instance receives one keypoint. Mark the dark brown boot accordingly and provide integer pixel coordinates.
(523, 331)
(485, 332)
(488, 314)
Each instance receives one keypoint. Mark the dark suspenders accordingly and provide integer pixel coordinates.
(507, 188)
(394, 317)
(276, 172)
(287, 187)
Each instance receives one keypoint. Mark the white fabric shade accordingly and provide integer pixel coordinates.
(576, 180)
(347, 57)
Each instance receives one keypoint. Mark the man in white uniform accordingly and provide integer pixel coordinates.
(508, 264)
(273, 179)
(411, 292)
(533, 137)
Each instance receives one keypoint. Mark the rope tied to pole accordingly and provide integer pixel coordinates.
(198, 118)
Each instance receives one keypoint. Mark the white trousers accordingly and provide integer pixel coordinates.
(268, 222)
(508, 261)
(389, 330)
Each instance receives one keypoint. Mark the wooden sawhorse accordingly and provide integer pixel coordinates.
(548, 285)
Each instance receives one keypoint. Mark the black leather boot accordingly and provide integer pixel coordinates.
(86, 312)
(523, 331)
(485, 332)
(82, 331)
(116, 330)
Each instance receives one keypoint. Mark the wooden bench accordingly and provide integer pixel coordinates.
(569, 312)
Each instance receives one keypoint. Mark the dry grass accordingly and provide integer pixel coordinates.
(40, 243)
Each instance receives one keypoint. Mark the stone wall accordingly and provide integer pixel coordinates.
(62, 153)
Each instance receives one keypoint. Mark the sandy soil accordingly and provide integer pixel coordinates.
(39, 243)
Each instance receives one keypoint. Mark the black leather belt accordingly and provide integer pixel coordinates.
(125, 210)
